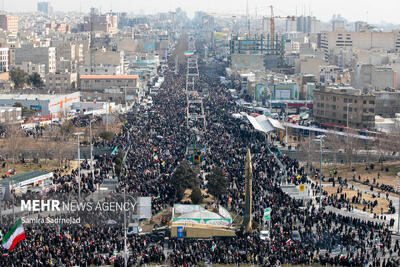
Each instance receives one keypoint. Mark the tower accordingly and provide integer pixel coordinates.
(248, 175)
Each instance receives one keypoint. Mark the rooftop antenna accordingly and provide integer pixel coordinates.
(247, 17)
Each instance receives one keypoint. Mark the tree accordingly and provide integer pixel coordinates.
(217, 182)
(184, 177)
(25, 112)
(36, 80)
(196, 196)
(66, 129)
(19, 78)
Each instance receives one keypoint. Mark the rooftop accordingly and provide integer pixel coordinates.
(22, 177)
(109, 77)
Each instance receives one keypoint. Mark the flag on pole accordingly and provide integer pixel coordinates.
(341, 257)
(112, 258)
(213, 247)
(5, 254)
(289, 241)
(13, 236)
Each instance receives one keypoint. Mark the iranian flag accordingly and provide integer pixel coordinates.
(289, 241)
(188, 53)
(112, 258)
(13, 236)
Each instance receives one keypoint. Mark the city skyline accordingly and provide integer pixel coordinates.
(370, 11)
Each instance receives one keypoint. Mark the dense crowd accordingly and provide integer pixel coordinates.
(155, 142)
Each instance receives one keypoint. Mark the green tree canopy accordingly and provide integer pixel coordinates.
(217, 182)
(36, 80)
(19, 78)
(184, 177)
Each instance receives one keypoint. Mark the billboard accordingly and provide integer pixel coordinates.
(144, 207)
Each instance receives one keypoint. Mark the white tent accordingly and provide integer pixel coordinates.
(264, 124)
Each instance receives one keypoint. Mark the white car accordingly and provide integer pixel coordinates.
(264, 235)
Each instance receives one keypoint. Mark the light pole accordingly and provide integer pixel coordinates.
(79, 166)
(125, 228)
(320, 170)
(91, 150)
(347, 128)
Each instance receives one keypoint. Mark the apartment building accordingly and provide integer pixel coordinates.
(61, 81)
(333, 104)
(37, 55)
(363, 40)
(4, 59)
(103, 82)
(9, 23)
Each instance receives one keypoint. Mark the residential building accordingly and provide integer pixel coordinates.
(102, 82)
(61, 81)
(368, 76)
(332, 104)
(4, 59)
(31, 68)
(387, 103)
(37, 55)
(364, 40)
(100, 70)
(10, 115)
(9, 23)
(338, 25)
(100, 22)
(308, 24)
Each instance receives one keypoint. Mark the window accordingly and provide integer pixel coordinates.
(355, 100)
(355, 109)
(371, 110)
(350, 100)
(334, 114)
(345, 100)
(344, 116)
(334, 107)
(364, 110)
(372, 102)
(350, 109)
(365, 102)
(334, 99)
(344, 108)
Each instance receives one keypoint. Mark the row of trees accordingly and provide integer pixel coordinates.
(185, 177)
(20, 78)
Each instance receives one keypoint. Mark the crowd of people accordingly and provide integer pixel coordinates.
(155, 142)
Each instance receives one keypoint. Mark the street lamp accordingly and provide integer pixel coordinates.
(91, 150)
(79, 166)
(319, 139)
(125, 236)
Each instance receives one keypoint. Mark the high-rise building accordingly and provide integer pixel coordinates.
(308, 24)
(338, 25)
(9, 23)
(363, 40)
(291, 25)
(44, 7)
(98, 22)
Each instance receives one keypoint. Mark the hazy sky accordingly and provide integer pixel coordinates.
(372, 10)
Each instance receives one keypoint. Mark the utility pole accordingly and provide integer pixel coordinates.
(91, 150)
(79, 166)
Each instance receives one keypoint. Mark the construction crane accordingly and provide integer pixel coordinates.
(272, 25)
